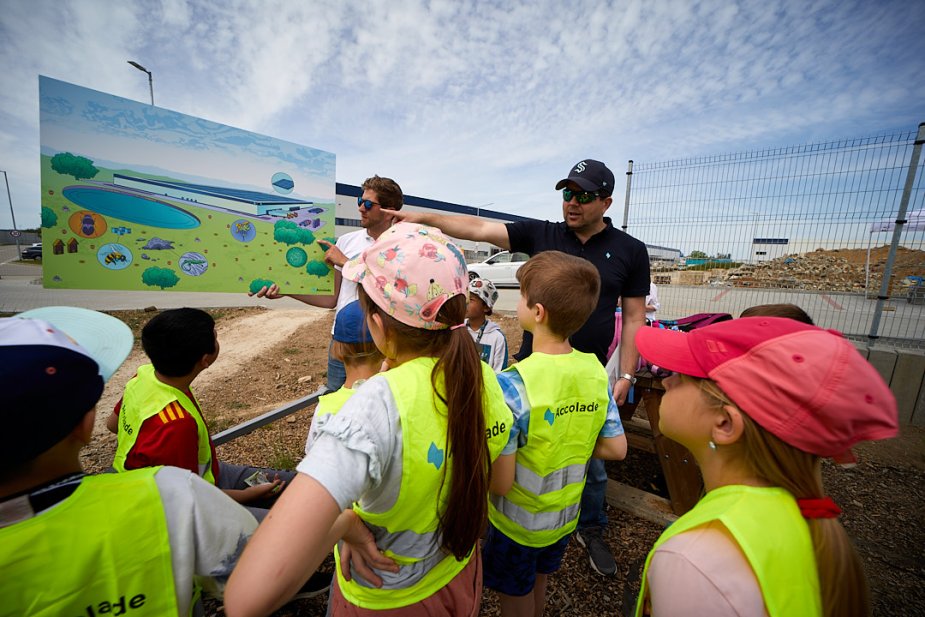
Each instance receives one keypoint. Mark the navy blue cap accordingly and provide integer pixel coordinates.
(350, 325)
(590, 175)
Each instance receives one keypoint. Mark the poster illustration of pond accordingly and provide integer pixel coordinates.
(137, 197)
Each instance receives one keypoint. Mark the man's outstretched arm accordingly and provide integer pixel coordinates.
(460, 226)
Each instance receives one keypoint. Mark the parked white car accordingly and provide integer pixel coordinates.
(501, 268)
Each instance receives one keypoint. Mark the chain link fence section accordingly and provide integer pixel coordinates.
(809, 224)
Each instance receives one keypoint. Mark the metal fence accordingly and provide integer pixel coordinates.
(814, 225)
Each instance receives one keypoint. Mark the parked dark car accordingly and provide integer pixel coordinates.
(32, 252)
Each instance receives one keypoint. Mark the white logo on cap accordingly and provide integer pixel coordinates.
(580, 167)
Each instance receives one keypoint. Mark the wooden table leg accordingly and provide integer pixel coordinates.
(682, 475)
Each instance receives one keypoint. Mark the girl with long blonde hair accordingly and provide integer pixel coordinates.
(759, 401)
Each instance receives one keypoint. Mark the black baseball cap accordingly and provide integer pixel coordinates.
(590, 175)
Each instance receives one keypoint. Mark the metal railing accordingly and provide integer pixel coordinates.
(822, 225)
(271, 416)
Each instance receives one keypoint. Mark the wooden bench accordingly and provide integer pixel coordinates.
(682, 476)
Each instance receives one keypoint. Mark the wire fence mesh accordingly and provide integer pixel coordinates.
(809, 225)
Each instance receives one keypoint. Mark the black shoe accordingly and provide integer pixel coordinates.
(598, 552)
(319, 583)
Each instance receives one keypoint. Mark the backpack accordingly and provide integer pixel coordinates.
(685, 324)
(692, 322)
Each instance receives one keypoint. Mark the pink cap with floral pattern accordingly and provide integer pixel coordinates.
(410, 271)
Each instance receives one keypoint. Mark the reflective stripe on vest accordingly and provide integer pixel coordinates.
(408, 531)
(566, 417)
(104, 549)
(774, 537)
(145, 396)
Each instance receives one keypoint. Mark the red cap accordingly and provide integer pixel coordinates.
(808, 386)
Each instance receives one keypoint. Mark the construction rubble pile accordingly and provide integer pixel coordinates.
(830, 271)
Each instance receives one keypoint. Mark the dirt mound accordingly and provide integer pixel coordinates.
(836, 270)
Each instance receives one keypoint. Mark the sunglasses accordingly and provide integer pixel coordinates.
(367, 203)
(583, 197)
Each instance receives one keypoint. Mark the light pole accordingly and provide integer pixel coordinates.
(12, 214)
(478, 213)
(150, 78)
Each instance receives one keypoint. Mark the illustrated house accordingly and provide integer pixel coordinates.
(72, 245)
(58, 247)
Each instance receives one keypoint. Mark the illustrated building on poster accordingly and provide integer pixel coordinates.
(139, 197)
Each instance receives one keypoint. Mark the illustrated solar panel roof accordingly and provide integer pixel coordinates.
(254, 197)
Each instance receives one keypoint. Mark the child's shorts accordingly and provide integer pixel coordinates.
(511, 568)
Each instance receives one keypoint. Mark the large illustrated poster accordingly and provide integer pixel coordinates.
(138, 197)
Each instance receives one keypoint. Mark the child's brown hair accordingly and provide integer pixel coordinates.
(568, 287)
(357, 354)
(788, 311)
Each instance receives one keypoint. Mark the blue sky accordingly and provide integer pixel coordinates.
(477, 102)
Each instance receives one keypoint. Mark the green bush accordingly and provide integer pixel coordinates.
(159, 277)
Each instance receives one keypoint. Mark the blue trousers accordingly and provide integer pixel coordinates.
(592, 498)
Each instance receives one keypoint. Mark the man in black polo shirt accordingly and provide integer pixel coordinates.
(623, 264)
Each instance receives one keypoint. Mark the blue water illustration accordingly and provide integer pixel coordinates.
(132, 208)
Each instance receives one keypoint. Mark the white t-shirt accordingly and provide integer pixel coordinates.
(206, 528)
(703, 572)
(350, 244)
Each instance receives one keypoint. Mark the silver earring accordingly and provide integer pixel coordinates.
(712, 445)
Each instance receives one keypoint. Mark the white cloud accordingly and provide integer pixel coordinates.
(479, 102)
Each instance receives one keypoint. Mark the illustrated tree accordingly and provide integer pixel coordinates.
(288, 232)
(159, 277)
(258, 284)
(68, 164)
(317, 268)
(49, 218)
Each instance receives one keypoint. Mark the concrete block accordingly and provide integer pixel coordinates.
(907, 383)
(884, 360)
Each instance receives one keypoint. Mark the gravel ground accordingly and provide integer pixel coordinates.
(882, 498)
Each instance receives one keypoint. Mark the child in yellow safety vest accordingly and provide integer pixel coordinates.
(353, 346)
(413, 447)
(564, 414)
(759, 401)
(75, 544)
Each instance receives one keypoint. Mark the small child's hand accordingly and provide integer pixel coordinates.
(360, 552)
(263, 491)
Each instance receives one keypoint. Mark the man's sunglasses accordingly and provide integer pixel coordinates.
(583, 197)
(367, 203)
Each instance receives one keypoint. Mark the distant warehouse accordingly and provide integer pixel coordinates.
(662, 257)
(347, 219)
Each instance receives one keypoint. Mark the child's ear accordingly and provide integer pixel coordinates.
(539, 313)
(83, 432)
(728, 426)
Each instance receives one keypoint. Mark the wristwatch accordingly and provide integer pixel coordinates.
(629, 378)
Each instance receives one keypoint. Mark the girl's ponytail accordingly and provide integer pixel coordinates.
(460, 369)
(457, 381)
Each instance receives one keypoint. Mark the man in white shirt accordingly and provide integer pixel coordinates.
(379, 194)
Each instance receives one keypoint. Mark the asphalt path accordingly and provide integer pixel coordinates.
(21, 289)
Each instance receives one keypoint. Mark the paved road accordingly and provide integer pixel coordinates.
(848, 313)
(21, 289)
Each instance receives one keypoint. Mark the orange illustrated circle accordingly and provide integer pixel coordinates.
(87, 224)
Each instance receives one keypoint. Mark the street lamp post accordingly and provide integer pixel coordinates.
(150, 78)
(12, 214)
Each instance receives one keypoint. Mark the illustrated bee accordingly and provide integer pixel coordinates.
(114, 257)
